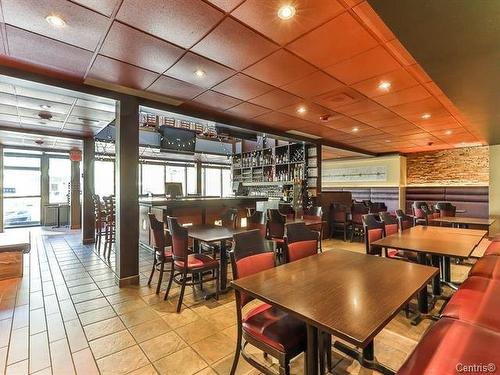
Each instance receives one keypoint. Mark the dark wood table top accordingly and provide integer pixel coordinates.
(463, 220)
(211, 232)
(306, 221)
(453, 242)
(347, 294)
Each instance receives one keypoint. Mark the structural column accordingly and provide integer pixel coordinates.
(75, 208)
(127, 191)
(88, 216)
(1, 189)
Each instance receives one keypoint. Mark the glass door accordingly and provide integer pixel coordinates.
(22, 190)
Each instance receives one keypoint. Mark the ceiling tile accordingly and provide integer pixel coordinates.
(234, 45)
(362, 106)
(372, 20)
(215, 100)
(314, 84)
(280, 68)
(411, 94)
(413, 111)
(366, 65)
(242, 87)
(343, 123)
(276, 99)
(419, 73)
(313, 113)
(226, 5)
(338, 97)
(343, 38)
(263, 17)
(399, 79)
(182, 24)
(273, 118)
(134, 47)
(102, 6)
(119, 73)
(247, 110)
(401, 53)
(185, 69)
(351, 3)
(39, 50)
(174, 88)
(84, 28)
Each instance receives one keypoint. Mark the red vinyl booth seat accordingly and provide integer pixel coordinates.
(493, 248)
(477, 301)
(487, 266)
(451, 343)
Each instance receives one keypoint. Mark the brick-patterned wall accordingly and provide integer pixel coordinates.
(460, 166)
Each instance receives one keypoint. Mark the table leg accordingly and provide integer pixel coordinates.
(447, 269)
(223, 267)
(312, 357)
(423, 303)
(436, 281)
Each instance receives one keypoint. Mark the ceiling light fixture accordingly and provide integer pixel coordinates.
(45, 106)
(426, 116)
(55, 21)
(387, 141)
(356, 129)
(301, 109)
(448, 132)
(286, 12)
(200, 73)
(384, 85)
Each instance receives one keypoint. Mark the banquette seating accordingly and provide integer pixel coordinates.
(468, 331)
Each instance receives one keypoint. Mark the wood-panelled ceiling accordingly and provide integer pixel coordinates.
(329, 59)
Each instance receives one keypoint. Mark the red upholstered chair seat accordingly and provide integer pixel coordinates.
(274, 327)
(487, 266)
(477, 301)
(302, 249)
(448, 343)
(167, 252)
(391, 229)
(195, 261)
(493, 248)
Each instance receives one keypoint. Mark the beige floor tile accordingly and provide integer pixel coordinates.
(146, 370)
(5, 326)
(91, 305)
(37, 321)
(3, 357)
(19, 368)
(223, 367)
(196, 331)
(85, 363)
(183, 362)
(149, 330)
(129, 306)
(82, 288)
(138, 316)
(67, 310)
(123, 362)
(21, 317)
(97, 315)
(223, 319)
(162, 346)
(76, 337)
(111, 344)
(214, 347)
(18, 347)
(46, 371)
(207, 371)
(39, 354)
(86, 296)
(55, 327)
(103, 328)
(62, 362)
(36, 300)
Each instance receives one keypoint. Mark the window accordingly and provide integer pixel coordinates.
(153, 181)
(226, 183)
(104, 178)
(176, 174)
(212, 182)
(191, 181)
(59, 180)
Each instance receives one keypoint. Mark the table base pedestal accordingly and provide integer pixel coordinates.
(365, 357)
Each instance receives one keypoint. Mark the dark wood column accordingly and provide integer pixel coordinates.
(88, 218)
(319, 162)
(75, 208)
(198, 179)
(127, 191)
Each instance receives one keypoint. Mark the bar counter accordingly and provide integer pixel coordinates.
(194, 210)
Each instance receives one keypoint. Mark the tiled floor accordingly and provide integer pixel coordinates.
(67, 316)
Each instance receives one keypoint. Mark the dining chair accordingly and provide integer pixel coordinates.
(265, 327)
(373, 230)
(258, 221)
(421, 212)
(188, 269)
(228, 220)
(392, 226)
(100, 221)
(109, 226)
(339, 219)
(300, 241)
(162, 249)
(446, 209)
(357, 212)
(276, 230)
(316, 213)
(405, 221)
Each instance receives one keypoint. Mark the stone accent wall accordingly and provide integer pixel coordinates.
(459, 166)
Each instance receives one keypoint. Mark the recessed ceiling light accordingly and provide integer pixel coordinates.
(301, 109)
(286, 12)
(45, 106)
(55, 21)
(384, 85)
(448, 132)
(387, 141)
(426, 116)
(200, 73)
(355, 129)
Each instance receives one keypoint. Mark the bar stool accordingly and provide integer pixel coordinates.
(316, 213)
(100, 219)
(276, 230)
(109, 227)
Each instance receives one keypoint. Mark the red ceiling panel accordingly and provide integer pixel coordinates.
(276, 99)
(413, 111)
(313, 111)
(338, 97)
(186, 67)
(399, 79)
(280, 68)
(226, 5)
(274, 118)
(371, 19)
(342, 123)
(379, 116)
(247, 110)
(234, 45)
(119, 73)
(174, 88)
(263, 17)
(419, 73)
(84, 28)
(242, 87)
(105, 7)
(362, 106)
(351, 3)
(314, 84)
(411, 94)
(366, 65)
(182, 24)
(341, 38)
(400, 52)
(134, 47)
(296, 124)
(215, 100)
(40, 50)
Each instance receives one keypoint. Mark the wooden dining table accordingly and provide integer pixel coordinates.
(349, 295)
(438, 242)
(462, 221)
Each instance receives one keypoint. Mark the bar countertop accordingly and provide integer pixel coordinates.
(201, 201)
